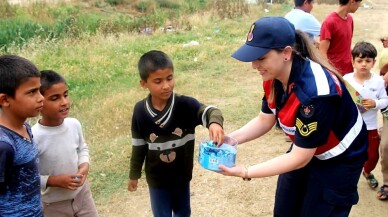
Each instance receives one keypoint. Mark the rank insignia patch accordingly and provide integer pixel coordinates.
(307, 110)
(305, 129)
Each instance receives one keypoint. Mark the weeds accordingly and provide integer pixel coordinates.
(230, 8)
(50, 21)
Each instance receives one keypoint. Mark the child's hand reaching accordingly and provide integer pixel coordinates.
(216, 133)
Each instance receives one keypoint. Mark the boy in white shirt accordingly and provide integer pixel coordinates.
(370, 96)
(63, 154)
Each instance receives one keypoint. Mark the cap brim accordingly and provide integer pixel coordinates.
(247, 53)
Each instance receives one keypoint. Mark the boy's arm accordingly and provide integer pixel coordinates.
(6, 158)
(83, 162)
(83, 149)
(324, 47)
(209, 115)
(139, 151)
(139, 146)
(212, 119)
(136, 164)
(83, 169)
(382, 98)
(83, 156)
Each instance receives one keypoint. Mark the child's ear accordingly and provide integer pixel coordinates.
(4, 100)
(143, 84)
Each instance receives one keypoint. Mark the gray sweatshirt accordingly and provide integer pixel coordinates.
(61, 150)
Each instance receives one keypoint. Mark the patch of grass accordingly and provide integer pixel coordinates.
(77, 19)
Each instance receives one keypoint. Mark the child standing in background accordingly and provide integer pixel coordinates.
(372, 96)
(163, 136)
(63, 154)
(382, 193)
(336, 35)
(19, 175)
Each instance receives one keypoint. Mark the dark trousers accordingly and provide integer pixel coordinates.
(303, 192)
(173, 201)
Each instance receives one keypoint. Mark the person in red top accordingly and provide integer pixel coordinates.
(336, 36)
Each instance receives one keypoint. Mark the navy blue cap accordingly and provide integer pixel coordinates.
(265, 34)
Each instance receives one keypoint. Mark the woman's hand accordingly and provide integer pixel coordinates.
(238, 171)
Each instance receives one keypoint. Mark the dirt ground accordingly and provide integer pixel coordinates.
(214, 195)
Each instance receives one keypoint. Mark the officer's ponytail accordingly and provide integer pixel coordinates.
(305, 49)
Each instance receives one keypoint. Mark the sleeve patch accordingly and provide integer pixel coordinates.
(305, 129)
(307, 111)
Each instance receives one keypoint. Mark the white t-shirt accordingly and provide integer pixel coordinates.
(374, 88)
(304, 21)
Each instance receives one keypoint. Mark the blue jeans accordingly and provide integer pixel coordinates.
(168, 202)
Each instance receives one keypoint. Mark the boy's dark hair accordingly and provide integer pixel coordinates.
(364, 49)
(48, 78)
(299, 3)
(344, 2)
(14, 70)
(151, 61)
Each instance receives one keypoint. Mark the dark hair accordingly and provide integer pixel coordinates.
(48, 78)
(151, 61)
(299, 3)
(304, 48)
(14, 70)
(364, 49)
(344, 2)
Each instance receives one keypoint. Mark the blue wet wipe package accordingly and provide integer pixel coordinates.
(210, 156)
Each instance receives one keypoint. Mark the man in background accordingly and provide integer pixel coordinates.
(302, 19)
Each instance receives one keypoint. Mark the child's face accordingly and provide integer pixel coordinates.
(385, 42)
(161, 84)
(56, 105)
(27, 101)
(363, 65)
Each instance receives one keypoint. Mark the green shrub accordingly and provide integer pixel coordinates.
(19, 31)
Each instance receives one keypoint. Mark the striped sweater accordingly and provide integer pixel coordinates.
(164, 140)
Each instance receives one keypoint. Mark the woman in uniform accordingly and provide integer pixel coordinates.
(318, 175)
